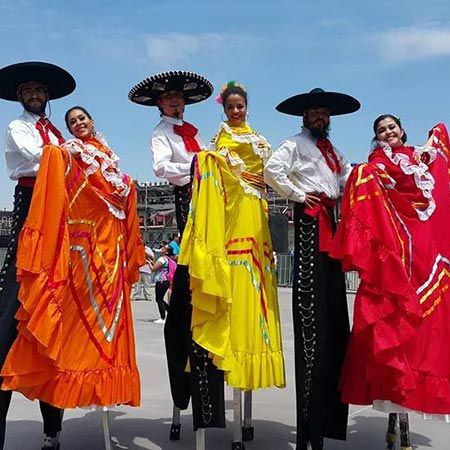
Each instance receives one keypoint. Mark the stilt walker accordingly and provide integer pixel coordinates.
(174, 144)
(227, 248)
(310, 171)
(32, 84)
(75, 343)
(394, 209)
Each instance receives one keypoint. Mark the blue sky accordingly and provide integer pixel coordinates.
(394, 56)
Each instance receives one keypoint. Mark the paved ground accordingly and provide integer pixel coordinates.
(147, 427)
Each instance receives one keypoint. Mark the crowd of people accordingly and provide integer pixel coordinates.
(66, 330)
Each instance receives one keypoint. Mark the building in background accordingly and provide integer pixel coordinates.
(156, 210)
(6, 223)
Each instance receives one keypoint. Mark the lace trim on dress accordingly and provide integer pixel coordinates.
(258, 142)
(419, 170)
(96, 159)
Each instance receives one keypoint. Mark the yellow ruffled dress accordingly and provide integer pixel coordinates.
(228, 249)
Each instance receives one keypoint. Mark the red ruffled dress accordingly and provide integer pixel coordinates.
(394, 232)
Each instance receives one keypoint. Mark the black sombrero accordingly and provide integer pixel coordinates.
(194, 87)
(336, 102)
(58, 81)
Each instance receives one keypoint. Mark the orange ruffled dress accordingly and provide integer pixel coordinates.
(79, 253)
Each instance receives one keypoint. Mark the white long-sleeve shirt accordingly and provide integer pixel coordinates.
(171, 160)
(23, 146)
(298, 168)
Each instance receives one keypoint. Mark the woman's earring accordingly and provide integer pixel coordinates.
(224, 119)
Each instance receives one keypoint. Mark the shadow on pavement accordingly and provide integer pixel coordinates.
(368, 433)
(86, 432)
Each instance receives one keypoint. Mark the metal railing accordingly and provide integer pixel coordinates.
(285, 265)
(285, 273)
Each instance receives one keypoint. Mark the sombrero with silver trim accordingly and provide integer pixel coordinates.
(58, 81)
(194, 87)
(336, 102)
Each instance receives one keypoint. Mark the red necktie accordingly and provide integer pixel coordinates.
(327, 150)
(44, 126)
(188, 133)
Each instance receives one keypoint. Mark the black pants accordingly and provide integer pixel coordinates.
(161, 288)
(9, 304)
(321, 331)
(205, 384)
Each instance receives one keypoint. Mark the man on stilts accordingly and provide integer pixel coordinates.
(174, 144)
(32, 84)
(309, 170)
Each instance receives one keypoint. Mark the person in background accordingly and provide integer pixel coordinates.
(143, 288)
(175, 244)
(160, 269)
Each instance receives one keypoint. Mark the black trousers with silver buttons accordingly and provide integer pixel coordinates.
(9, 304)
(204, 383)
(321, 332)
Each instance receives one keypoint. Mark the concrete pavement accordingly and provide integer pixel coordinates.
(147, 427)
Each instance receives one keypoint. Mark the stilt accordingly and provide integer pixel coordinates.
(391, 434)
(200, 439)
(175, 429)
(405, 443)
(248, 432)
(106, 433)
(237, 443)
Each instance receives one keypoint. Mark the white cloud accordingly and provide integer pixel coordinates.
(170, 49)
(414, 43)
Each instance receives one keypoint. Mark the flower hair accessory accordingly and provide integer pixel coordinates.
(230, 84)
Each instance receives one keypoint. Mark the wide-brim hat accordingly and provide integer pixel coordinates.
(194, 87)
(336, 102)
(58, 81)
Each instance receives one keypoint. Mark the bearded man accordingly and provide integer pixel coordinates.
(310, 171)
(32, 84)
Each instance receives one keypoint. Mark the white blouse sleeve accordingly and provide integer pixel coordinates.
(346, 169)
(279, 167)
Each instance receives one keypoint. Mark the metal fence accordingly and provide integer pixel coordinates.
(285, 273)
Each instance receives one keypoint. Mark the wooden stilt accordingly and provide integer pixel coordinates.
(200, 439)
(175, 428)
(248, 432)
(391, 434)
(106, 432)
(237, 443)
(405, 443)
